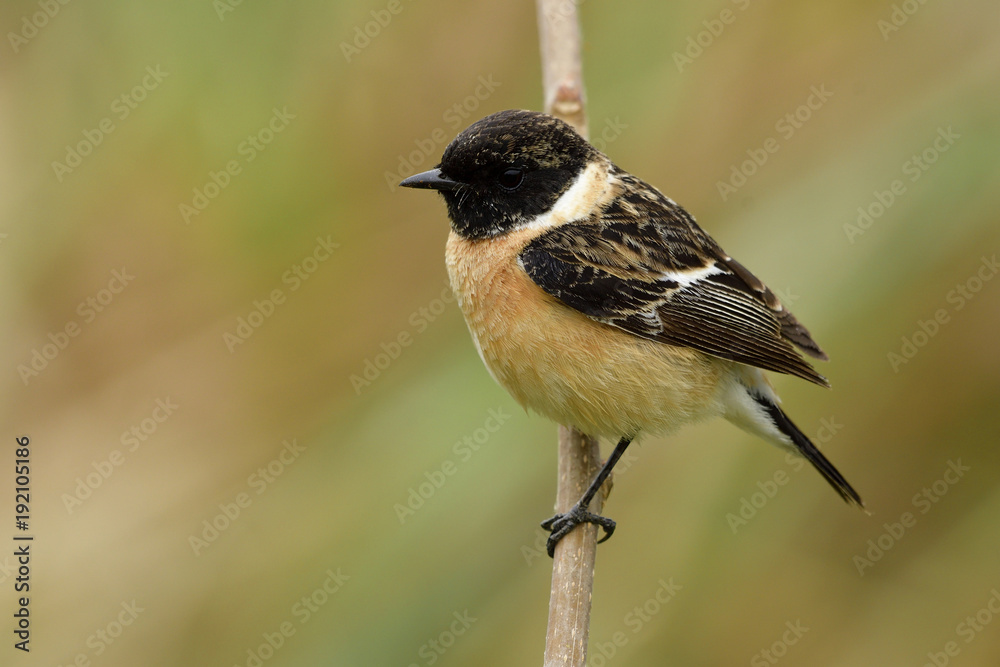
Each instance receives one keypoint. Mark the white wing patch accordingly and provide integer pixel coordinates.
(688, 278)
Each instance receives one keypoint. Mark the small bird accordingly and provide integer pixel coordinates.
(597, 301)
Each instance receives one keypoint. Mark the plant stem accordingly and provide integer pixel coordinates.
(579, 454)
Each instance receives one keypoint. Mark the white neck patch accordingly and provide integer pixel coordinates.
(579, 201)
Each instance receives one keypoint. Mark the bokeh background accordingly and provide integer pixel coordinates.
(335, 475)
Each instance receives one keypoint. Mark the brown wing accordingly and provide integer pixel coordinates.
(645, 266)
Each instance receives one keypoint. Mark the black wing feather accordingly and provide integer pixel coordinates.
(643, 265)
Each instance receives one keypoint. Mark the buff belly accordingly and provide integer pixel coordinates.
(556, 361)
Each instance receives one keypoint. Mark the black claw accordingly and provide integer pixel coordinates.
(561, 524)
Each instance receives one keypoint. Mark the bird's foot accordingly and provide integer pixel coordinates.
(561, 524)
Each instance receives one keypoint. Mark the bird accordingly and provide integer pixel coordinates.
(597, 301)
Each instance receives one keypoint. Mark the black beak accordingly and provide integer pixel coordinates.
(431, 180)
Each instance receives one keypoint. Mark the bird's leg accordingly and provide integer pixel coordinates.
(561, 524)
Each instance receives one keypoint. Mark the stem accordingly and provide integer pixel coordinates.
(573, 566)
(562, 68)
(579, 454)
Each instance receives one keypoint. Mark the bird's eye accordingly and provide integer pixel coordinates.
(511, 178)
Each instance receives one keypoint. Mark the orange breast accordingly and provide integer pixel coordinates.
(560, 363)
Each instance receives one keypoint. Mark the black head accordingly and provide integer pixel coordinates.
(506, 169)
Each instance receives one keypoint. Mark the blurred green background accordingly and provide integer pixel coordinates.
(270, 429)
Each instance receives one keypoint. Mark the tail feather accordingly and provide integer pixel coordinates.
(809, 451)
